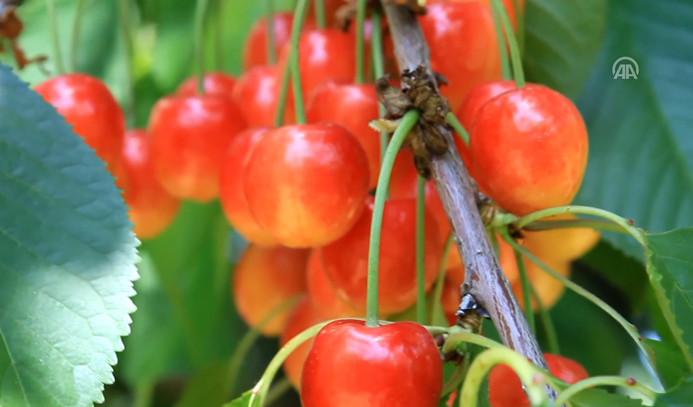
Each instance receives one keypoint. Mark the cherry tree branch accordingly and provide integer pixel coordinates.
(484, 279)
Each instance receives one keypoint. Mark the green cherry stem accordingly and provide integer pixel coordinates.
(283, 96)
(602, 224)
(458, 336)
(458, 127)
(526, 290)
(219, 56)
(515, 57)
(200, 13)
(437, 307)
(278, 390)
(547, 323)
(520, 16)
(420, 246)
(294, 62)
(502, 49)
(124, 19)
(360, 53)
(320, 19)
(269, 18)
(55, 36)
(406, 124)
(76, 25)
(595, 381)
(378, 68)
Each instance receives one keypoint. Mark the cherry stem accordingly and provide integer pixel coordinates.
(420, 246)
(200, 13)
(437, 307)
(124, 18)
(55, 36)
(515, 58)
(283, 95)
(547, 323)
(526, 291)
(502, 48)
(595, 381)
(458, 335)
(520, 19)
(531, 376)
(406, 124)
(218, 36)
(360, 53)
(458, 127)
(76, 25)
(378, 68)
(278, 390)
(294, 63)
(602, 224)
(629, 328)
(269, 26)
(320, 19)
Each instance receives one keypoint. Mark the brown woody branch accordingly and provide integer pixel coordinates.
(484, 279)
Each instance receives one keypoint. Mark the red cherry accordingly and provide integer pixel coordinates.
(529, 148)
(451, 296)
(89, 106)
(505, 388)
(189, 135)
(303, 316)
(255, 47)
(233, 200)
(322, 294)
(324, 55)
(305, 184)
(509, 8)
(257, 92)
(345, 260)
(463, 45)
(353, 106)
(393, 365)
(331, 7)
(263, 280)
(151, 207)
(217, 83)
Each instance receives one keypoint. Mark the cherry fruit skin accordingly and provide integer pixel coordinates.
(529, 147)
(306, 184)
(303, 316)
(393, 365)
(216, 83)
(189, 136)
(90, 107)
(322, 294)
(151, 208)
(257, 91)
(255, 47)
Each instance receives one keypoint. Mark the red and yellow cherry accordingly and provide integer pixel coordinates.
(392, 365)
(463, 45)
(548, 288)
(561, 244)
(345, 260)
(216, 83)
(151, 208)
(255, 47)
(263, 281)
(231, 194)
(303, 316)
(327, 303)
(257, 91)
(189, 136)
(90, 107)
(353, 106)
(451, 295)
(505, 388)
(306, 184)
(509, 8)
(529, 147)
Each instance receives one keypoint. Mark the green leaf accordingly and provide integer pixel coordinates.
(242, 401)
(669, 264)
(680, 396)
(669, 361)
(562, 41)
(67, 256)
(601, 398)
(641, 148)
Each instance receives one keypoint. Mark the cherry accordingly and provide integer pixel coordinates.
(255, 47)
(263, 280)
(218, 83)
(89, 106)
(322, 294)
(353, 106)
(231, 194)
(463, 45)
(189, 135)
(505, 388)
(305, 184)
(345, 260)
(393, 365)
(561, 244)
(303, 316)
(257, 90)
(151, 207)
(529, 147)
(548, 288)
(451, 296)
(509, 8)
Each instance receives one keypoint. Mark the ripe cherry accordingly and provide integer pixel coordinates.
(264, 280)
(89, 106)
(255, 47)
(151, 207)
(346, 259)
(529, 147)
(393, 365)
(561, 244)
(463, 45)
(189, 136)
(257, 91)
(233, 200)
(303, 316)
(305, 184)
(505, 388)
(353, 106)
(548, 288)
(217, 83)
(327, 303)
